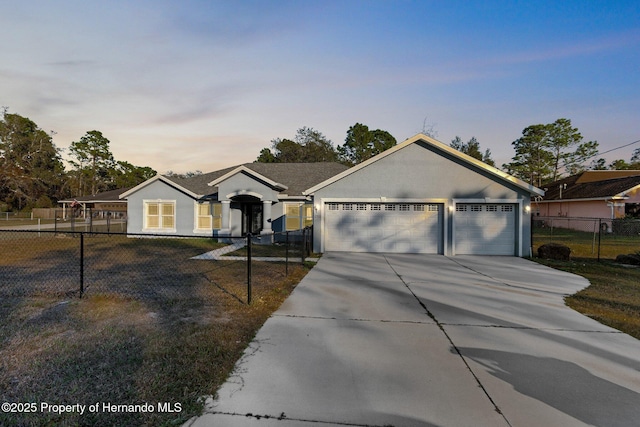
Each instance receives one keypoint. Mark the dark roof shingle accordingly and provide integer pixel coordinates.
(296, 176)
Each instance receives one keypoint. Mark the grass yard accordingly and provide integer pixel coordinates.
(154, 326)
(585, 244)
(613, 297)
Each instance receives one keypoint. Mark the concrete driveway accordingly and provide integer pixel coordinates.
(414, 340)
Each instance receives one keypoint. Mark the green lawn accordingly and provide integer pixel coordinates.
(613, 298)
(586, 244)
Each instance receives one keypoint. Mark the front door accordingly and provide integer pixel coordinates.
(251, 218)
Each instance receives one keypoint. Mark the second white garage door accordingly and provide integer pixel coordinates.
(383, 227)
(485, 229)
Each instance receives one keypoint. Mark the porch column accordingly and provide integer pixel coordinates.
(226, 217)
(266, 217)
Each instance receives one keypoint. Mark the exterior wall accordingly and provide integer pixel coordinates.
(578, 209)
(241, 183)
(420, 173)
(237, 185)
(158, 190)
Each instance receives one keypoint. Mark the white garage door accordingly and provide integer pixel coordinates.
(485, 229)
(383, 227)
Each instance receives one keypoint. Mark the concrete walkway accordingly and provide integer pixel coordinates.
(414, 340)
(221, 255)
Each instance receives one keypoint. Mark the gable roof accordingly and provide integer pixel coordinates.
(503, 176)
(105, 196)
(593, 185)
(290, 178)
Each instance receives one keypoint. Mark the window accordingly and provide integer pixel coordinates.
(333, 206)
(375, 207)
(461, 208)
(476, 208)
(361, 207)
(298, 215)
(208, 216)
(404, 207)
(418, 208)
(160, 215)
(216, 214)
(492, 208)
(203, 216)
(506, 208)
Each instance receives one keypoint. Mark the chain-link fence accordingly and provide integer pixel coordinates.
(74, 264)
(57, 220)
(589, 237)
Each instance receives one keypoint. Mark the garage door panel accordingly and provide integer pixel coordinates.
(485, 229)
(383, 227)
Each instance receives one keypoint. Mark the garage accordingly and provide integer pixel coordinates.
(485, 229)
(384, 227)
(422, 196)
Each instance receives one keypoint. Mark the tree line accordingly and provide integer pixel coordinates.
(543, 154)
(33, 174)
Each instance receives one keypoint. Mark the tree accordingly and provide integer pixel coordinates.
(93, 163)
(562, 138)
(544, 151)
(308, 146)
(362, 144)
(124, 175)
(32, 171)
(472, 148)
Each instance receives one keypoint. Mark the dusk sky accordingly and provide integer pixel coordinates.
(202, 85)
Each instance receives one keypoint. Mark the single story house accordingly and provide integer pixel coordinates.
(256, 198)
(104, 203)
(420, 196)
(592, 194)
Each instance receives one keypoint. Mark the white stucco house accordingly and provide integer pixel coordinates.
(420, 196)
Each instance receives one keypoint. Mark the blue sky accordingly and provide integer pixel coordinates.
(201, 85)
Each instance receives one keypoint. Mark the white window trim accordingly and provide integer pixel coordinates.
(196, 217)
(301, 215)
(159, 230)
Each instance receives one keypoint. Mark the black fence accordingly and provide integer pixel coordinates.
(65, 263)
(600, 238)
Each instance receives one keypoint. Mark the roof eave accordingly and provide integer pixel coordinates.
(166, 181)
(276, 185)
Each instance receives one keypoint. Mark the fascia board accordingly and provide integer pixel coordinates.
(624, 193)
(163, 179)
(250, 172)
(591, 199)
(440, 146)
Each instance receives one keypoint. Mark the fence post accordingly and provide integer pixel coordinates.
(81, 264)
(302, 244)
(286, 253)
(599, 236)
(248, 268)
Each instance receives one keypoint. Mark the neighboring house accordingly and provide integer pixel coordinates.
(420, 196)
(105, 203)
(423, 196)
(257, 198)
(592, 194)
